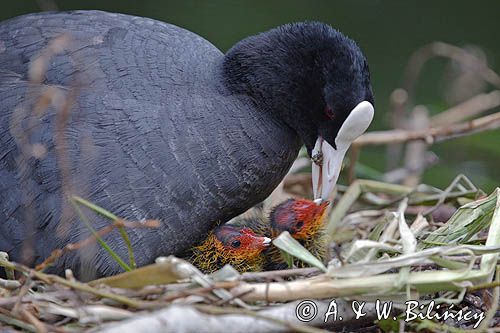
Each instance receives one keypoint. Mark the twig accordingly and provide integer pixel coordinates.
(415, 151)
(446, 193)
(431, 135)
(439, 49)
(39, 326)
(87, 313)
(9, 302)
(249, 276)
(61, 148)
(398, 100)
(398, 174)
(57, 253)
(17, 323)
(51, 279)
(467, 109)
(24, 290)
(401, 98)
(232, 298)
(199, 291)
(352, 194)
(9, 284)
(487, 285)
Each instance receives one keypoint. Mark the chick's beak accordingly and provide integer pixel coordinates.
(262, 242)
(255, 241)
(327, 161)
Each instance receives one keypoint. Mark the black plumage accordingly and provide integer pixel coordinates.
(151, 121)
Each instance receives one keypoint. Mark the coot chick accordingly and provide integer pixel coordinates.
(151, 121)
(229, 244)
(303, 219)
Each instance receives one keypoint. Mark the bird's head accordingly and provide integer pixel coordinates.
(238, 246)
(238, 242)
(316, 81)
(301, 218)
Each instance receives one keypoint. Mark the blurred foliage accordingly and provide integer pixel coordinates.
(387, 31)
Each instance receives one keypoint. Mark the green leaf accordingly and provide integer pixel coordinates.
(288, 244)
(112, 217)
(465, 223)
(98, 238)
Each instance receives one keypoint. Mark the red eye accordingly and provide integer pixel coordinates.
(329, 112)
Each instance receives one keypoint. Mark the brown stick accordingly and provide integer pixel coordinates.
(431, 135)
(30, 318)
(467, 109)
(54, 279)
(440, 49)
(403, 97)
(414, 160)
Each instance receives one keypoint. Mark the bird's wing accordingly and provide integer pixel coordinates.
(129, 113)
(119, 89)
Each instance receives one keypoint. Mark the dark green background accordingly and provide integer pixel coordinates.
(387, 31)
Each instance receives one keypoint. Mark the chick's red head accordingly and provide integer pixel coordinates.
(300, 217)
(239, 241)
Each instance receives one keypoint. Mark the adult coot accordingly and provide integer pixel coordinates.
(151, 121)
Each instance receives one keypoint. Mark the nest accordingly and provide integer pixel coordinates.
(392, 247)
(387, 246)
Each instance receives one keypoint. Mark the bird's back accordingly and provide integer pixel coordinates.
(129, 113)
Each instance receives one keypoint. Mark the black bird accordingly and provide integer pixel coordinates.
(151, 121)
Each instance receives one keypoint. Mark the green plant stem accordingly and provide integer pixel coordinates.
(113, 217)
(487, 285)
(99, 239)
